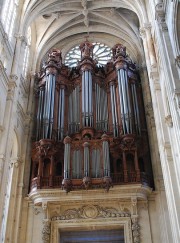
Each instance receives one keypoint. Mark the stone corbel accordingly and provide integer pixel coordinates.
(37, 210)
(22, 39)
(45, 209)
(160, 16)
(168, 121)
(134, 205)
(15, 162)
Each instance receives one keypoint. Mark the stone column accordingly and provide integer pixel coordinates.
(145, 32)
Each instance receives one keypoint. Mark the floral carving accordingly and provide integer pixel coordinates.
(135, 230)
(46, 232)
(91, 211)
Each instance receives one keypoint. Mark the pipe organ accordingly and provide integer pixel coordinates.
(90, 129)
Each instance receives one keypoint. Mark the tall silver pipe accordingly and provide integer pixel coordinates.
(121, 101)
(136, 109)
(86, 100)
(105, 147)
(115, 111)
(112, 108)
(67, 150)
(90, 100)
(52, 105)
(128, 101)
(62, 113)
(47, 105)
(83, 102)
(96, 97)
(39, 114)
(106, 113)
(86, 159)
(125, 102)
(77, 108)
(59, 112)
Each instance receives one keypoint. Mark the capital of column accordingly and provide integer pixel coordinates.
(21, 38)
(11, 88)
(15, 162)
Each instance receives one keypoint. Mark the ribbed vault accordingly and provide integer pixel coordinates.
(63, 24)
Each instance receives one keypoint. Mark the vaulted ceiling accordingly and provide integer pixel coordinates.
(66, 23)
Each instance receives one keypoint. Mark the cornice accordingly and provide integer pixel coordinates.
(123, 192)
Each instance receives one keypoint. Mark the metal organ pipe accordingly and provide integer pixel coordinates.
(67, 150)
(124, 101)
(101, 108)
(87, 106)
(74, 111)
(40, 113)
(86, 159)
(48, 106)
(76, 164)
(61, 114)
(114, 109)
(52, 105)
(136, 108)
(105, 148)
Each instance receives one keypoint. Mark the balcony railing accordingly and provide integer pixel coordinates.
(117, 179)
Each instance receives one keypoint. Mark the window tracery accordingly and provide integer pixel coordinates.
(26, 53)
(9, 14)
(101, 54)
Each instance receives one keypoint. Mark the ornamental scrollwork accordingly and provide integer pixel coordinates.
(135, 230)
(46, 232)
(91, 211)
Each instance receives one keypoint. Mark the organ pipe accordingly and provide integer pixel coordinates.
(136, 108)
(106, 160)
(87, 104)
(114, 109)
(67, 150)
(86, 159)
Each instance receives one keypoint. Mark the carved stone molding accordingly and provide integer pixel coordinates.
(177, 98)
(91, 212)
(22, 38)
(160, 16)
(168, 121)
(135, 230)
(46, 231)
(15, 162)
(37, 210)
(11, 87)
(177, 61)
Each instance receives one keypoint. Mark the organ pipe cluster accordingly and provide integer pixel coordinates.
(85, 110)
